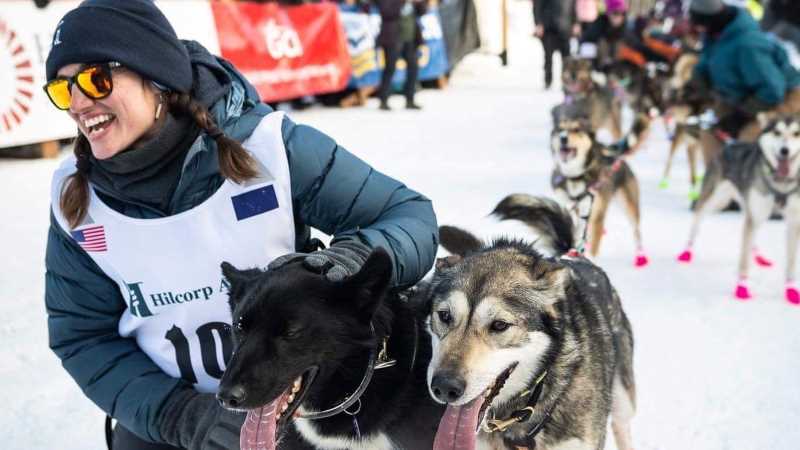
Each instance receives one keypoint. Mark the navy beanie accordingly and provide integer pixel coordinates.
(134, 33)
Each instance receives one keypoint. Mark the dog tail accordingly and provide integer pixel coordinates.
(458, 241)
(547, 218)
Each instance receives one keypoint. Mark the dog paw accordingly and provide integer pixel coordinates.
(743, 292)
(792, 295)
(694, 194)
(762, 260)
(663, 184)
(686, 256)
(641, 260)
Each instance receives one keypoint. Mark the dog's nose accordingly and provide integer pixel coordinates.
(233, 397)
(564, 138)
(447, 387)
(784, 152)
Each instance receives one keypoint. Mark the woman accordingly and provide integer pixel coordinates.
(178, 166)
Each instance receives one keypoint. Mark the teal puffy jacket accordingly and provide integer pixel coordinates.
(332, 190)
(744, 62)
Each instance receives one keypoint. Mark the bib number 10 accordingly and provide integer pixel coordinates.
(208, 349)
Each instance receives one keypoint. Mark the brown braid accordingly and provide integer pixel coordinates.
(235, 163)
(75, 192)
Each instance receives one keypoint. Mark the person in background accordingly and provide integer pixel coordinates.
(400, 35)
(600, 41)
(746, 71)
(178, 166)
(555, 24)
(586, 12)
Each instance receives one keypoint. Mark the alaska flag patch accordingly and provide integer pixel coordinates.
(255, 202)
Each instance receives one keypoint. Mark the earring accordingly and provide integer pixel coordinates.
(160, 104)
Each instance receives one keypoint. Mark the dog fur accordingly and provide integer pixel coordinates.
(504, 304)
(290, 320)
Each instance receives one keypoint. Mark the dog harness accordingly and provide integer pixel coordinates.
(522, 415)
(168, 269)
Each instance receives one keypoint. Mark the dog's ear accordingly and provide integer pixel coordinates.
(368, 287)
(764, 119)
(555, 278)
(236, 279)
(457, 241)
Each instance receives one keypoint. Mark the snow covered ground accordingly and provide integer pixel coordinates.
(712, 373)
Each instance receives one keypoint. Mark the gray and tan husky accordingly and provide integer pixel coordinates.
(582, 93)
(764, 175)
(529, 351)
(588, 175)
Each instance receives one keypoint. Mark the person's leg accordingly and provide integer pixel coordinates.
(564, 49)
(412, 73)
(549, 42)
(125, 440)
(390, 57)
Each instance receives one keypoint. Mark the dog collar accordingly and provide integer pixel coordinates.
(355, 397)
(377, 360)
(521, 415)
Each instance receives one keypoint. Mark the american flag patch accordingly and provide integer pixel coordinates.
(91, 239)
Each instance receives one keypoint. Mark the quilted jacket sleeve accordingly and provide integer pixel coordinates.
(83, 309)
(339, 194)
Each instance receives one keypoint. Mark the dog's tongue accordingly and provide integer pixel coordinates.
(457, 429)
(259, 429)
(783, 168)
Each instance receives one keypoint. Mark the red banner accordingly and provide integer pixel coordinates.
(285, 51)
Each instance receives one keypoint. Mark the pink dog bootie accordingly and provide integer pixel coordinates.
(792, 294)
(686, 256)
(761, 260)
(742, 291)
(641, 259)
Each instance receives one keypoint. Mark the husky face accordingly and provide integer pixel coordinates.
(494, 319)
(577, 75)
(570, 143)
(780, 145)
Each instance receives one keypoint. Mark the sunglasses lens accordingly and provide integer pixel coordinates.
(58, 91)
(95, 82)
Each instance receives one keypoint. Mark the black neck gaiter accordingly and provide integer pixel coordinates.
(149, 171)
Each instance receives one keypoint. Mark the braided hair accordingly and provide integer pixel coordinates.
(235, 163)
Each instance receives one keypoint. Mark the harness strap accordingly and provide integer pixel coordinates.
(523, 415)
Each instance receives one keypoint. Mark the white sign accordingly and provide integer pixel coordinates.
(26, 33)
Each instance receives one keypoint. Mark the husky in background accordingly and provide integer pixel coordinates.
(588, 175)
(764, 175)
(531, 351)
(582, 93)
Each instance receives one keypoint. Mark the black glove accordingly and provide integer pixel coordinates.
(733, 122)
(343, 259)
(196, 421)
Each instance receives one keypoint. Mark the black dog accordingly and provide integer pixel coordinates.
(306, 348)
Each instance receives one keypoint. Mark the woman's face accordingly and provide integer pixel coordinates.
(113, 123)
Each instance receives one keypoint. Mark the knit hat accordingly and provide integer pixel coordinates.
(616, 6)
(706, 7)
(132, 32)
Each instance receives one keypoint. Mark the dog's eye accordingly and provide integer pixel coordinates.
(239, 326)
(498, 326)
(445, 317)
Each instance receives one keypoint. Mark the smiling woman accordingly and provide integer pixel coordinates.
(177, 167)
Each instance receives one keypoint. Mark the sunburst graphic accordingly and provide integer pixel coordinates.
(16, 79)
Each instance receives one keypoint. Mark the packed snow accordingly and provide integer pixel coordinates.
(712, 373)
